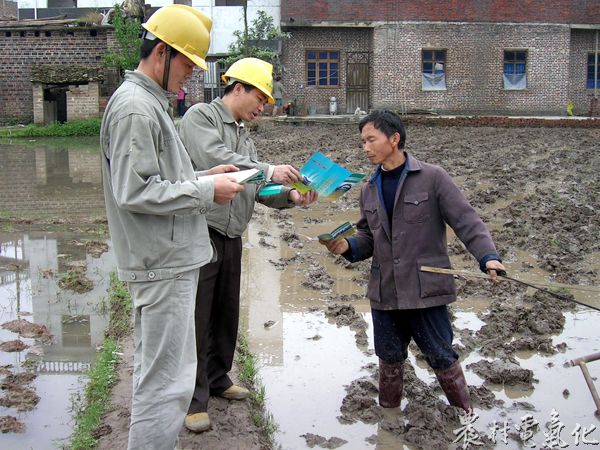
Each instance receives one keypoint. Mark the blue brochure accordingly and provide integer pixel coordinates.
(329, 179)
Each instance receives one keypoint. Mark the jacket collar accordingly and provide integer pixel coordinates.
(223, 111)
(147, 83)
(412, 164)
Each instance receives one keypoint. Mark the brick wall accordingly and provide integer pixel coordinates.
(474, 67)
(195, 87)
(82, 101)
(582, 43)
(8, 9)
(294, 61)
(352, 11)
(20, 48)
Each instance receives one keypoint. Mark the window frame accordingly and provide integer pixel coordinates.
(318, 61)
(434, 61)
(515, 62)
(589, 77)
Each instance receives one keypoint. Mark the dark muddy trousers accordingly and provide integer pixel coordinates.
(216, 317)
(429, 327)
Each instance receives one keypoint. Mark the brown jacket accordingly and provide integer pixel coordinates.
(426, 200)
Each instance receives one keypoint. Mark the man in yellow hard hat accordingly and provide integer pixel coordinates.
(156, 206)
(226, 141)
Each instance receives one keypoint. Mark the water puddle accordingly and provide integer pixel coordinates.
(56, 279)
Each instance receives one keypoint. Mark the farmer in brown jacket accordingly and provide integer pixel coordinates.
(405, 207)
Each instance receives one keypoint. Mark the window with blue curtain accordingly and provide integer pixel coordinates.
(593, 71)
(433, 73)
(515, 69)
(322, 68)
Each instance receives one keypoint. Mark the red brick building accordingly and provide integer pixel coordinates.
(449, 56)
(28, 95)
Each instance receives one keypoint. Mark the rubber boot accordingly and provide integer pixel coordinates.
(390, 383)
(452, 380)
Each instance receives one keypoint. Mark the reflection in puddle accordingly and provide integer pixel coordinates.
(29, 291)
(51, 176)
(54, 177)
(307, 360)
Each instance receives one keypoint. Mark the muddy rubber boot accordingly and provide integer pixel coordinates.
(452, 380)
(390, 383)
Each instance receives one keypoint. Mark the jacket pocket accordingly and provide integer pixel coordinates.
(374, 287)
(181, 229)
(373, 218)
(416, 207)
(435, 284)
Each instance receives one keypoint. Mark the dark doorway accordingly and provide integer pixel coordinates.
(55, 104)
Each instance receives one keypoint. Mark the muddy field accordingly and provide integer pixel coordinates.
(536, 187)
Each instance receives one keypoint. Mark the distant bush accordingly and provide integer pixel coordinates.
(89, 127)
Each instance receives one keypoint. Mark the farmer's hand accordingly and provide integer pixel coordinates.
(337, 246)
(285, 174)
(302, 199)
(225, 189)
(222, 168)
(493, 267)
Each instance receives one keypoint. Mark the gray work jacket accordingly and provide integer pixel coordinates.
(426, 200)
(212, 137)
(155, 206)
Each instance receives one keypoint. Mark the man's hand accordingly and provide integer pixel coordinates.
(226, 189)
(493, 267)
(285, 174)
(337, 246)
(222, 168)
(302, 199)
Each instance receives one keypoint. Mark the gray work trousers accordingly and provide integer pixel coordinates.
(164, 362)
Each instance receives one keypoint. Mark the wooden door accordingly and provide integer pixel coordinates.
(357, 82)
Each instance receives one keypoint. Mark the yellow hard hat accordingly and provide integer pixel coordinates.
(255, 72)
(185, 29)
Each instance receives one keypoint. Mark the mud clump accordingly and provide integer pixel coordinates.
(314, 440)
(96, 248)
(28, 329)
(75, 280)
(10, 424)
(292, 239)
(502, 371)
(359, 403)
(316, 277)
(263, 243)
(13, 346)
(20, 378)
(346, 315)
(19, 397)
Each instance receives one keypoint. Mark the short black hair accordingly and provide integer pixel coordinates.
(148, 45)
(231, 87)
(386, 121)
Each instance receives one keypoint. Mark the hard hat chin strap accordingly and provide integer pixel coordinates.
(165, 81)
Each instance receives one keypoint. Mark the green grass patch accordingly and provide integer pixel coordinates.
(248, 374)
(102, 378)
(88, 127)
(103, 374)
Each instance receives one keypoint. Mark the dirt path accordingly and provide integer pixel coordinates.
(232, 425)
